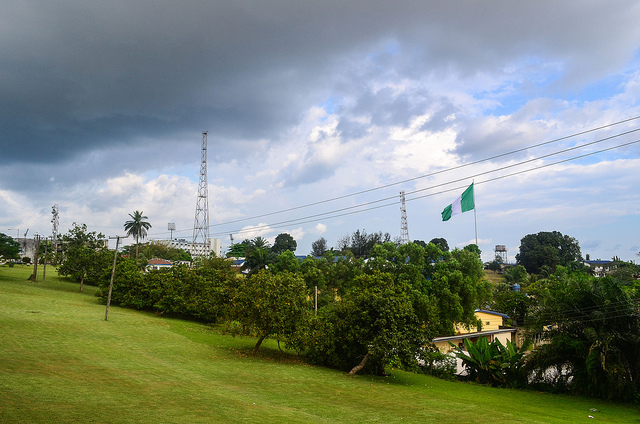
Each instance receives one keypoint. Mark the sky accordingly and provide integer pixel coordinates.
(319, 113)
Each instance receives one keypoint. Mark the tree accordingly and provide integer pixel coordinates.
(420, 243)
(130, 290)
(515, 275)
(137, 227)
(547, 248)
(268, 304)
(473, 248)
(284, 242)
(343, 243)
(458, 287)
(319, 247)
(84, 253)
(452, 281)
(592, 333)
(361, 243)
(625, 273)
(373, 325)
(9, 248)
(286, 261)
(238, 250)
(157, 249)
(260, 243)
(384, 310)
(441, 243)
(517, 304)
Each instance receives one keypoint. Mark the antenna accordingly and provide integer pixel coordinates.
(201, 221)
(403, 220)
(231, 237)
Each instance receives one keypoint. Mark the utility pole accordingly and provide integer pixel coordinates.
(113, 271)
(34, 276)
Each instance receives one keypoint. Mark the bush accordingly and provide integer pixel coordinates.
(438, 364)
(493, 363)
(179, 291)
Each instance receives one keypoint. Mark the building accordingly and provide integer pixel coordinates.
(492, 329)
(197, 249)
(600, 268)
(157, 264)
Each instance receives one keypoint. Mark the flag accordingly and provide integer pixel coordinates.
(463, 203)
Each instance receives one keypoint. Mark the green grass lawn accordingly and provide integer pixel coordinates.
(60, 361)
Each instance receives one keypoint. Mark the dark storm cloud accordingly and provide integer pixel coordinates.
(77, 76)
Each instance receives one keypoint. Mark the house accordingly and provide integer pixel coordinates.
(237, 263)
(600, 268)
(157, 263)
(492, 328)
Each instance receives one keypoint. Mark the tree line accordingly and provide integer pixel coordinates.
(370, 313)
(363, 314)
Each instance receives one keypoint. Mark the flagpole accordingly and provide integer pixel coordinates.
(475, 218)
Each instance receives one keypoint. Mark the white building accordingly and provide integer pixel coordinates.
(197, 249)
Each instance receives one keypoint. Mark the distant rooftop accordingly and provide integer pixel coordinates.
(158, 261)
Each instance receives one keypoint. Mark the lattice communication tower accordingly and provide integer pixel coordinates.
(403, 220)
(54, 227)
(201, 222)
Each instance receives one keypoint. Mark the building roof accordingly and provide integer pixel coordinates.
(158, 261)
(476, 334)
(493, 313)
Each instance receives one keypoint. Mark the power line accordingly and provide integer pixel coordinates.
(609, 311)
(431, 174)
(336, 211)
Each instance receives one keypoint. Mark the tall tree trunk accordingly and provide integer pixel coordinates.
(257, 346)
(81, 280)
(360, 365)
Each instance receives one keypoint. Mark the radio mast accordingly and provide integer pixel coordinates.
(403, 220)
(54, 230)
(201, 222)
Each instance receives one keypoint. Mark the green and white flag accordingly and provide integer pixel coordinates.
(463, 203)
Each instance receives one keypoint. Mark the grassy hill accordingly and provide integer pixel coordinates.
(493, 277)
(60, 361)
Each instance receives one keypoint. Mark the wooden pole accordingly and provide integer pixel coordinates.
(113, 270)
(44, 270)
(34, 276)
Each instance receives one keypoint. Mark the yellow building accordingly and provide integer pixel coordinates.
(491, 328)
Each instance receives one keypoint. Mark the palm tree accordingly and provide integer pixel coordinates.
(137, 227)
